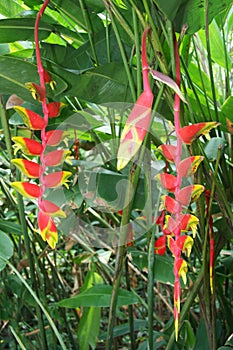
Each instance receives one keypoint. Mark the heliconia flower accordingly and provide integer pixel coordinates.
(170, 204)
(188, 166)
(135, 129)
(138, 122)
(31, 119)
(57, 157)
(55, 137)
(168, 181)
(51, 209)
(27, 146)
(48, 79)
(56, 179)
(38, 93)
(168, 151)
(54, 109)
(181, 266)
(185, 223)
(47, 229)
(191, 132)
(160, 245)
(28, 168)
(185, 244)
(189, 194)
(27, 189)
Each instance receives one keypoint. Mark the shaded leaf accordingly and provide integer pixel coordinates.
(6, 249)
(99, 296)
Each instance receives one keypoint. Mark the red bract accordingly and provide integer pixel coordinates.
(33, 120)
(188, 166)
(191, 132)
(54, 109)
(55, 137)
(160, 245)
(27, 189)
(168, 181)
(56, 179)
(189, 194)
(28, 146)
(28, 168)
(168, 151)
(51, 209)
(48, 79)
(138, 122)
(48, 230)
(57, 157)
(170, 205)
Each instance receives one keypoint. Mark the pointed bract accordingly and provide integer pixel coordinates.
(54, 109)
(27, 189)
(160, 245)
(191, 132)
(189, 194)
(28, 168)
(188, 166)
(47, 229)
(27, 146)
(55, 137)
(51, 209)
(57, 157)
(56, 179)
(136, 127)
(168, 181)
(31, 119)
(168, 151)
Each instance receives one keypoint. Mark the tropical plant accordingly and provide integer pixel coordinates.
(131, 102)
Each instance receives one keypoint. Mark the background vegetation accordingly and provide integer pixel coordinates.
(59, 299)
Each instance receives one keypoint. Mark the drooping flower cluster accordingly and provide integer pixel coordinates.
(175, 219)
(46, 150)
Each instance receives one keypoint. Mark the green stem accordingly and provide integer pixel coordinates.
(130, 308)
(123, 55)
(121, 251)
(210, 60)
(89, 30)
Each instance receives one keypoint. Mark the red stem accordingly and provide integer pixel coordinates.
(44, 102)
(145, 67)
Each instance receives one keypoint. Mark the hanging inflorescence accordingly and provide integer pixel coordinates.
(175, 220)
(42, 171)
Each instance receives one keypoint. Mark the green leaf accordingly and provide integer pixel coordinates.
(9, 8)
(216, 45)
(6, 249)
(15, 72)
(74, 12)
(163, 266)
(107, 83)
(191, 13)
(199, 76)
(20, 29)
(88, 328)
(99, 296)
(213, 146)
(10, 227)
